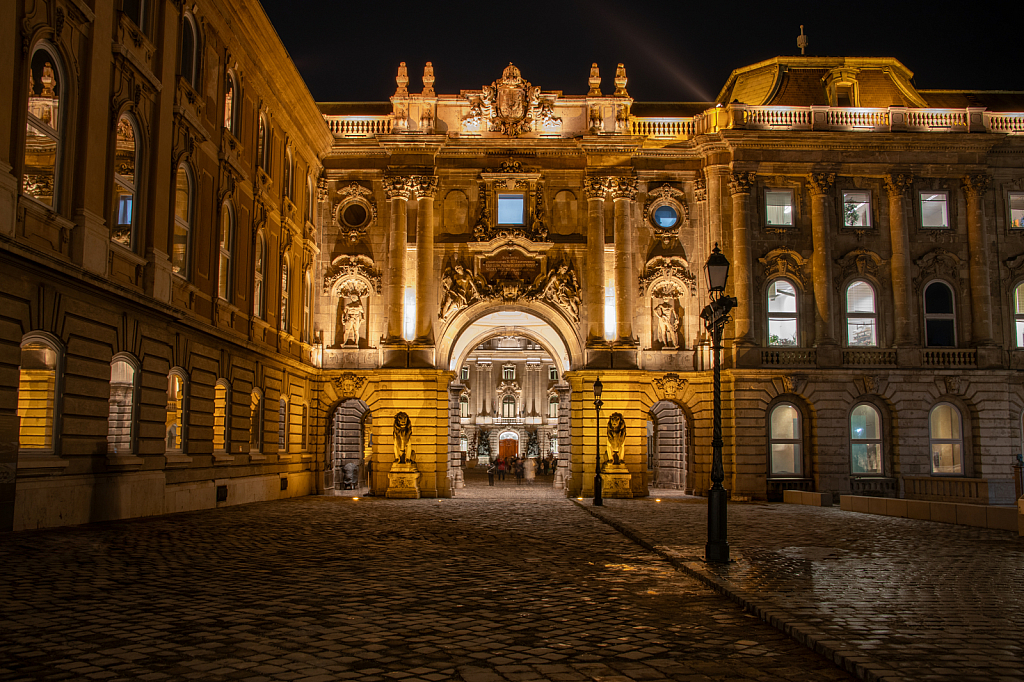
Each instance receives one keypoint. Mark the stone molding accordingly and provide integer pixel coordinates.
(975, 185)
(741, 183)
(896, 184)
(398, 187)
(783, 262)
(820, 183)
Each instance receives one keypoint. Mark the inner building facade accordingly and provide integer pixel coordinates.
(217, 290)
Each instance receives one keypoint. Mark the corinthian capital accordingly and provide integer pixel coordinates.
(700, 189)
(624, 188)
(597, 187)
(975, 184)
(424, 186)
(898, 183)
(820, 183)
(398, 187)
(741, 183)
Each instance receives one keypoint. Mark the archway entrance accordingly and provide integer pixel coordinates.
(509, 402)
(667, 446)
(350, 442)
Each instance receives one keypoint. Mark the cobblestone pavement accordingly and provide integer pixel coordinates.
(901, 599)
(328, 588)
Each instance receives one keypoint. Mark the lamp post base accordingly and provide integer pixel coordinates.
(717, 548)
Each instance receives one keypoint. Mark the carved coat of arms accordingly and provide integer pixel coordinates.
(510, 100)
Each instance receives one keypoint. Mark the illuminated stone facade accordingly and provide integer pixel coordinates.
(216, 290)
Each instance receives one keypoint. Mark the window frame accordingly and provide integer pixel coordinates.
(127, 187)
(463, 407)
(225, 259)
(939, 316)
(259, 280)
(880, 440)
(553, 405)
(792, 207)
(508, 372)
(192, 78)
(962, 441)
(873, 316)
(552, 373)
(225, 437)
(256, 421)
(41, 338)
(1010, 194)
(1017, 306)
(129, 360)
(464, 373)
(798, 441)
(180, 373)
(263, 144)
(509, 400)
(769, 315)
(185, 271)
(307, 308)
(287, 188)
(231, 97)
(284, 310)
(920, 209)
(54, 133)
(869, 212)
(497, 204)
(282, 424)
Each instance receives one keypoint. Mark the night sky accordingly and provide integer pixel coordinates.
(673, 51)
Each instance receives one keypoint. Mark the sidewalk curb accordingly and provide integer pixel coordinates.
(843, 655)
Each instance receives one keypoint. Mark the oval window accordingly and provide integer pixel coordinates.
(354, 215)
(665, 216)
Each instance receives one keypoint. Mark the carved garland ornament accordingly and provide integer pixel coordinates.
(670, 384)
(344, 268)
(783, 262)
(859, 262)
(461, 288)
(667, 267)
(940, 263)
(348, 384)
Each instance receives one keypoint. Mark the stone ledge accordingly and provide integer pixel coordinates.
(977, 515)
(808, 498)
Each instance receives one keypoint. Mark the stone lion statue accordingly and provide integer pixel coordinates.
(403, 435)
(616, 438)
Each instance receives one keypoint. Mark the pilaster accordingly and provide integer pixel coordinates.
(399, 191)
(740, 185)
(820, 185)
(596, 190)
(981, 289)
(425, 188)
(624, 194)
(897, 184)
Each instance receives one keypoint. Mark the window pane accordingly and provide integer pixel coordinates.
(785, 423)
(938, 299)
(124, 152)
(1020, 333)
(860, 298)
(181, 195)
(511, 208)
(220, 399)
(229, 94)
(864, 423)
(121, 232)
(944, 422)
(857, 209)
(188, 43)
(36, 394)
(939, 333)
(175, 399)
(861, 332)
(222, 283)
(779, 207)
(665, 216)
(946, 458)
(40, 164)
(781, 297)
(866, 458)
(1016, 200)
(934, 210)
(225, 227)
(786, 459)
(781, 331)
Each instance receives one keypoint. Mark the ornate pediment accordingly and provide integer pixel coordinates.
(940, 263)
(671, 268)
(345, 268)
(507, 104)
(859, 262)
(783, 262)
(511, 388)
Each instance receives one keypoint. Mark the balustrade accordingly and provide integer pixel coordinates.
(788, 357)
(950, 358)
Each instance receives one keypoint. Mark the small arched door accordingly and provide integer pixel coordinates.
(508, 445)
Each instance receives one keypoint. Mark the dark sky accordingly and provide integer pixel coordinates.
(349, 50)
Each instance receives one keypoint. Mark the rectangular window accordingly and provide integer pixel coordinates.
(552, 374)
(511, 209)
(934, 210)
(508, 373)
(465, 373)
(220, 402)
(36, 396)
(856, 209)
(778, 207)
(1016, 203)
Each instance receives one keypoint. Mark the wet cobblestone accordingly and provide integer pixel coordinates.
(899, 598)
(479, 588)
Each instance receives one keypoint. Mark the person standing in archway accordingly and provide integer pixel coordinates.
(501, 469)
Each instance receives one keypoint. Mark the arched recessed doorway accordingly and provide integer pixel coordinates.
(509, 401)
(667, 446)
(350, 442)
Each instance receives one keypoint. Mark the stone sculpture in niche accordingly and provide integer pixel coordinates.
(460, 288)
(559, 286)
(616, 439)
(351, 312)
(352, 320)
(668, 323)
(403, 437)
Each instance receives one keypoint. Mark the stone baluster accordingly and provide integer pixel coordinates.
(398, 192)
(820, 184)
(624, 194)
(596, 190)
(981, 289)
(896, 185)
(425, 187)
(740, 185)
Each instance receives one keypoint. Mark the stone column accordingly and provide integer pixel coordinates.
(981, 289)
(714, 193)
(426, 280)
(562, 472)
(625, 280)
(596, 189)
(398, 191)
(740, 185)
(455, 462)
(896, 185)
(820, 184)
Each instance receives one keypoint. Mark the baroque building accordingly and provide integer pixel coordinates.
(216, 290)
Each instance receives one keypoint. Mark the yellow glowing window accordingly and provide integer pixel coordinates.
(37, 383)
(220, 404)
(175, 410)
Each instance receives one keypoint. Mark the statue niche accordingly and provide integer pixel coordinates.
(666, 314)
(349, 326)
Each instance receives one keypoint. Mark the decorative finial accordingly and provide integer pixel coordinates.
(801, 40)
(620, 81)
(595, 81)
(428, 80)
(403, 81)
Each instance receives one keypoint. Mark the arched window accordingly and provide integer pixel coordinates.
(182, 222)
(945, 438)
(1018, 314)
(220, 416)
(285, 279)
(553, 407)
(282, 425)
(307, 309)
(289, 168)
(43, 139)
(304, 426)
(137, 10)
(258, 307)
(262, 154)
(121, 415)
(861, 315)
(782, 314)
(229, 102)
(866, 441)
(786, 441)
(188, 66)
(939, 318)
(125, 163)
(310, 198)
(464, 407)
(177, 395)
(37, 394)
(227, 235)
(256, 420)
(508, 407)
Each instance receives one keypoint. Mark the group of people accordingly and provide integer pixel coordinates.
(516, 466)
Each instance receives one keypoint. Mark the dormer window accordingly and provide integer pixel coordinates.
(511, 209)
(844, 96)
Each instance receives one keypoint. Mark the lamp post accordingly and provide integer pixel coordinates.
(598, 389)
(715, 315)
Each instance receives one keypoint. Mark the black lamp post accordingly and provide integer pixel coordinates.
(598, 389)
(715, 315)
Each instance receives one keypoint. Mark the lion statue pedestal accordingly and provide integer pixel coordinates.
(615, 477)
(615, 480)
(403, 481)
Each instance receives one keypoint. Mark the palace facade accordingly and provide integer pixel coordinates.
(216, 290)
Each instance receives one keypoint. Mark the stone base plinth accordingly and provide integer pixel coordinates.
(403, 481)
(615, 482)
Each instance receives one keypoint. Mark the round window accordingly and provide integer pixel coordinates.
(354, 215)
(665, 216)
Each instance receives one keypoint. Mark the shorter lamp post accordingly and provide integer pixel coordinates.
(715, 315)
(598, 389)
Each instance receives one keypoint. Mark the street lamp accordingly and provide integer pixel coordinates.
(715, 315)
(598, 389)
